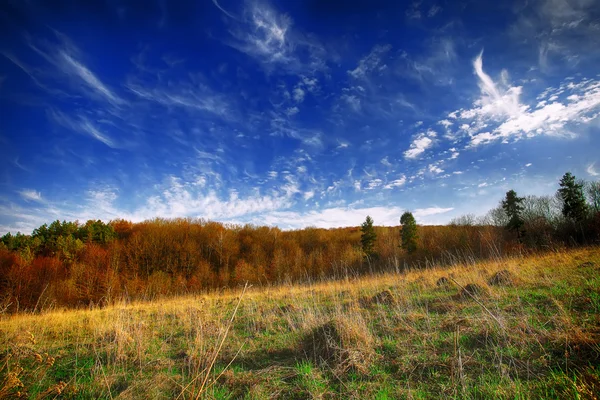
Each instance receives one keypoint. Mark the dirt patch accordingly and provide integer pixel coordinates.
(502, 278)
(342, 344)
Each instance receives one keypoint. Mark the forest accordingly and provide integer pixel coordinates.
(73, 264)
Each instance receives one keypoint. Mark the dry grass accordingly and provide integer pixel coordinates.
(538, 337)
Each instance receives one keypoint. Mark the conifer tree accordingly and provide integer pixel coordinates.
(574, 207)
(368, 237)
(512, 206)
(409, 232)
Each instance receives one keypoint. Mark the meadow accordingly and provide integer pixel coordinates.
(522, 327)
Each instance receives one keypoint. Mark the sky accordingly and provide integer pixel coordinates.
(291, 113)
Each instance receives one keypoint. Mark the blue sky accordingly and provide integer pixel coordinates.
(291, 113)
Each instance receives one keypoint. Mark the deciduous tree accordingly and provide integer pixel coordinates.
(593, 192)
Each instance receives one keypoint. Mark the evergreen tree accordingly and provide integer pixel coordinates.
(368, 237)
(513, 207)
(409, 232)
(574, 207)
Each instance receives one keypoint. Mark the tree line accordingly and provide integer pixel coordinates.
(74, 264)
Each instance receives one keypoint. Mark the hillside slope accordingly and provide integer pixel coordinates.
(533, 331)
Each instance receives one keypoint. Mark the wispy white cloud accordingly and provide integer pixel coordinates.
(352, 101)
(216, 3)
(298, 94)
(35, 74)
(347, 216)
(420, 143)
(342, 145)
(291, 111)
(499, 114)
(426, 212)
(205, 155)
(396, 183)
(268, 36)
(83, 126)
(561, 32)
(386, 162)
(372, 62)
(178, 199)
(374, 184)
(72, 66)
(282, 126)
(189, 95)
(413, 11)
(434, 10)
(433, 66)
(591, 169)
(435, 169)
(30, 195)
(66, 58)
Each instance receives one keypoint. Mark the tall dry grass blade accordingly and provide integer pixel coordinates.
(217, 352)
(103, 374)
(480, 303)
(212, 363)
(227, 366)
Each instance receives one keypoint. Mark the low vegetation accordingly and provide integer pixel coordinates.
(531, 329)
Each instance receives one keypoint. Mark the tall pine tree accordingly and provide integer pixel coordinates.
(409, 232)
(368, 237)
(512, 206)
(575, 207)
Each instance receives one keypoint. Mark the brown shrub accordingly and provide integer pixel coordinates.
(455, 322)
(365, 301)
(440, 307)
(502, 278)
(443, 282)
(386, 297)
(342, 344)
(587, 264)
(287, 308)
(472, 289)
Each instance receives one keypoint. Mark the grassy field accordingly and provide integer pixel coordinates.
(534, 332)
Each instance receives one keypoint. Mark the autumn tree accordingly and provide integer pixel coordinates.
(409, 232)
(368, 237)
(574, 207)
(513, 208)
